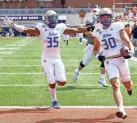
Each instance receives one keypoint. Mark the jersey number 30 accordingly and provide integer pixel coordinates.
(52, 42)
(109, 43)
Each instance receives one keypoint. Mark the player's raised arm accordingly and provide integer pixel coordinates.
(20, 28)
(78, 30)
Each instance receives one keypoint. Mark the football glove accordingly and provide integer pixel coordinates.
(100, 57)
(8, 21)
(90, 27)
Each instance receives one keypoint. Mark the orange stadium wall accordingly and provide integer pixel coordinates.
(57, 4)
(31, 4)
(108, 3)
(72, 3)
(77, 4)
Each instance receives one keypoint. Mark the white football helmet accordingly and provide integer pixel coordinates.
(106, 11)
(51, 18)
(95, 13)
(106, 16)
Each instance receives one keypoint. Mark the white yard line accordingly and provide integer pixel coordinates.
(33, 73)
(22, 42)
(41, 85)
(72, 60)
(6, 52)
(9, 48)
(22, 85)
(35, 65)
(14, 45)
(21, 65)
(66, 107)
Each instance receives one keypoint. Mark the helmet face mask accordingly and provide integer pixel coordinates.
(51, 18)
(106, 17)
(106, 20)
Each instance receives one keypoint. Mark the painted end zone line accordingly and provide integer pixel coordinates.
(73, 107)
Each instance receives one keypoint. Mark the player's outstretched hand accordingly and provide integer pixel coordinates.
(8, 21)
(100, 57)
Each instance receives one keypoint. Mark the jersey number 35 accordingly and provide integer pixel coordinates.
(52, 42)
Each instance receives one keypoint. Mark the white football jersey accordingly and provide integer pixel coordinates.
(50, 39)
(109, 39)
(98, 25)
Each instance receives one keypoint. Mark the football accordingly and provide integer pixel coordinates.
(124, 51)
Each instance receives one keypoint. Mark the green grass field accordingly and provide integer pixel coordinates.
(22, 81)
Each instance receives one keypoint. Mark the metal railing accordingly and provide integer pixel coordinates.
(41, 11)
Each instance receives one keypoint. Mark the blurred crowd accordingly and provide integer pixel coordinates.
(130, 24)
(88, 5)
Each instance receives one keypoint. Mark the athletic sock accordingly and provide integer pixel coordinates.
(53, 93)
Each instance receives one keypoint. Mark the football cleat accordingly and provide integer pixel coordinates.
(102, 81)
(121, 114)
(129, 92)
(75, 76)
(55, 104)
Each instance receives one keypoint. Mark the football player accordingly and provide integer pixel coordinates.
(88, 51)
(111, 38)
(66, 37)
(50, 33)
(80, 35)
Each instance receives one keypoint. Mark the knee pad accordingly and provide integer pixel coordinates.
(102, 65)
(81, 64)
(61, 83)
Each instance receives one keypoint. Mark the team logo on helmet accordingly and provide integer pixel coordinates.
(51, 18)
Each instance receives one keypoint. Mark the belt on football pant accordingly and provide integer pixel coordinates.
(112, 57)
